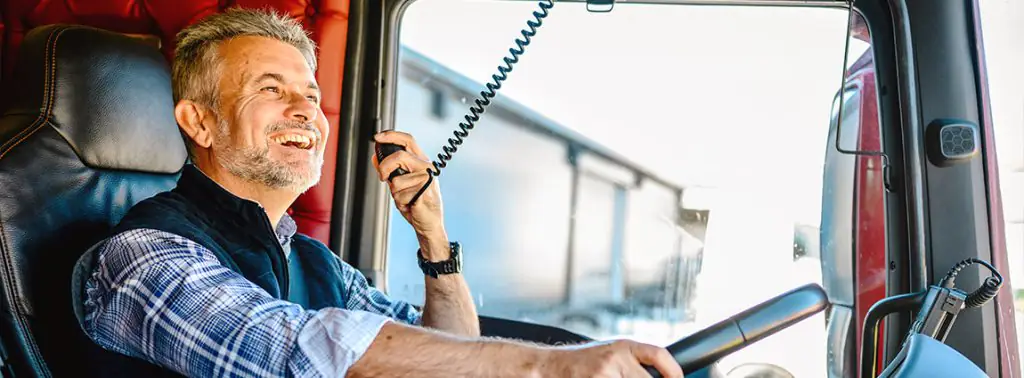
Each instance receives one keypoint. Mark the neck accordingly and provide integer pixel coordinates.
(274, 201)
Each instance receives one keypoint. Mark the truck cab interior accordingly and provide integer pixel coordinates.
(592, 196)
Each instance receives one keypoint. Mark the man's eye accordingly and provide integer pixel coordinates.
(313, 99)
(270, 89)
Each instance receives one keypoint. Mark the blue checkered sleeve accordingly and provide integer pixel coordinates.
(168, 300)
(360, 295)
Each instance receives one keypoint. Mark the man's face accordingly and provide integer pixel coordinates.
(270, 130)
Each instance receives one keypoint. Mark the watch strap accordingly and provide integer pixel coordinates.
(437, 268)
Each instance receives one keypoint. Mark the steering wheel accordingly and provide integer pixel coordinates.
(703, 348)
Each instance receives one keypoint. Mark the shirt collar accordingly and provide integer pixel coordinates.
(286, 229)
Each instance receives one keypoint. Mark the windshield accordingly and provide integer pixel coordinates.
(643, 173)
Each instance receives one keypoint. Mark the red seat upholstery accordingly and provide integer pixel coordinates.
(327, 20)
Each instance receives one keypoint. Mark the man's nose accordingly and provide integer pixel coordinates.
(301, 109)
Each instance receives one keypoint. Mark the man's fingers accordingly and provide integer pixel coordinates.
(402, 199)
(400, 159)
(659, 358)
(404, 196)
(401, 139)
(413, 180)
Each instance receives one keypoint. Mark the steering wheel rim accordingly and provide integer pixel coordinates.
(705, 347)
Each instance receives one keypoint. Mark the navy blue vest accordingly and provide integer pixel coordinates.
(239, 233)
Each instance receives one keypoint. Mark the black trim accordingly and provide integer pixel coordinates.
(914, 158)
(357, 125)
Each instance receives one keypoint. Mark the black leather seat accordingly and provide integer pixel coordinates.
(90, 133)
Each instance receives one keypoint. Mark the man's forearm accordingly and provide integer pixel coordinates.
(404, 351)
(449, 304)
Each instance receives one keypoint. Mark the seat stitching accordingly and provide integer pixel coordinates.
(46, 98)
(8, 266)
(49, 88)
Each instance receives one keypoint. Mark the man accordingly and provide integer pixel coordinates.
(210, 279)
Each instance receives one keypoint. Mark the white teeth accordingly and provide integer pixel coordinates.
(301, 141)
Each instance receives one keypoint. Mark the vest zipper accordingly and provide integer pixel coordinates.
(285, 285)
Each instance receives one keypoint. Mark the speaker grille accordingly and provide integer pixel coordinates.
(958, 141)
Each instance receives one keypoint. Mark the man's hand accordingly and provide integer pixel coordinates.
(622, 358)
(426, 216)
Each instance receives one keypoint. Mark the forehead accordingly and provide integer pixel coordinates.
(248, 57)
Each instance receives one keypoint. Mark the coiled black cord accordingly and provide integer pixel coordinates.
(481, 103)
(983, 294)
(484, 100)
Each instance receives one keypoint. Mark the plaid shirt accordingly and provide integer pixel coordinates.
(168, 300)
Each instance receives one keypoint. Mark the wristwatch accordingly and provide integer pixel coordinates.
(450, 266)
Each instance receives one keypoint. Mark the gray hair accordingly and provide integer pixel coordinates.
(196, 61)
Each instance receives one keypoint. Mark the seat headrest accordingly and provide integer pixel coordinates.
(107, 94)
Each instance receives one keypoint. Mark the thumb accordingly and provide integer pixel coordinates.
(657, 358)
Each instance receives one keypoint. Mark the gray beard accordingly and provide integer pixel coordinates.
(254, 164)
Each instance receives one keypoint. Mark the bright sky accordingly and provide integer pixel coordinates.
(1003, 30)
(705, 95)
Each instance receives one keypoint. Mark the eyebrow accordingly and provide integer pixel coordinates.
(280, 79)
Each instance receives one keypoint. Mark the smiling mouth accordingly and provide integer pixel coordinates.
(299, 141)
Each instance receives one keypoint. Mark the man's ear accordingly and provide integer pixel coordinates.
(193, 119)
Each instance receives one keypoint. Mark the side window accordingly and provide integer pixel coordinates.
(642, 174)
